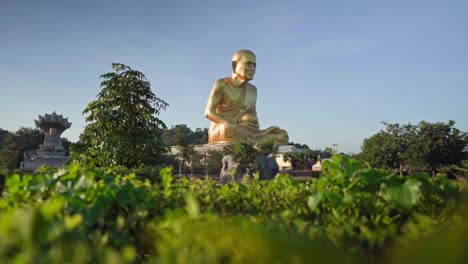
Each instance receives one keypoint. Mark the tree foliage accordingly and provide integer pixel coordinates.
(391, 148)
(245, 153)
(7, 156)
(268, 147)
(305, 159)
(441, 144)
(298, 145)
(213, 162)
(182, 135)
(122, 124)
(426, 145)
(188, 160)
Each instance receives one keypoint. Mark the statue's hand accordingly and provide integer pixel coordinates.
(229, 127)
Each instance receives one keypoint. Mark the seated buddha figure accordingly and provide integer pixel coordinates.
(231, 106)
(52, 141)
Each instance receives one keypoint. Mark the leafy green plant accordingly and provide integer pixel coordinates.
(349, 214)
(245, 153)
(44, 169)
(123, 128)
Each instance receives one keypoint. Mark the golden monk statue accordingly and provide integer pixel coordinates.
(232, 106)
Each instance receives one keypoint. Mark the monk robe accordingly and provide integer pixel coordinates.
(243, 113)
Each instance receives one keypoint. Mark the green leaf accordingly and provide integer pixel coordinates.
(314, 200)
(52, 208)
(71, 222)
(13, 183)
(166, 176)
(406, 195)
(192, 206)
(129, 254)
(371, 178)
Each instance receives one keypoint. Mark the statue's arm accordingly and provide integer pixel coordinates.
(214, 100)
(254, 98)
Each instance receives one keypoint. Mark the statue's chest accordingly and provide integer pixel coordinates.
(232, 93)
(233, 96)
(239, 99)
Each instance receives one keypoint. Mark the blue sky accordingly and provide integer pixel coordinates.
(327, 71)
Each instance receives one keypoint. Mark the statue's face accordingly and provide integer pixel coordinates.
(246, 66)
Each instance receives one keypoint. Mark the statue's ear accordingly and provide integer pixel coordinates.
(234, 64)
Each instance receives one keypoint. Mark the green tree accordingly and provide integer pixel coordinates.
(4, 134)
(245, 152)
(185, 156)
(177, 135)
(25, 139)
(197, 163)
(181, 138)
(197, 137)
(200, 136)
(440, 144)
(66, 145)
(213, 161)
(122, 124)
(268, 148)
(7, 161)
(379, 151)
(14, 145)
(424, 145)
(7, 155)
(391, 148)
(303, 160)
(298, 145)
(22, 140)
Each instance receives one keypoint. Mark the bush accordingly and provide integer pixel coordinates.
(44, 169)
(350, 214)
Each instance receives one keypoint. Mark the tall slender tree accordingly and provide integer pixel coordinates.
(122, 124)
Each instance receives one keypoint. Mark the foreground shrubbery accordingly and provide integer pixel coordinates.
(90, 215)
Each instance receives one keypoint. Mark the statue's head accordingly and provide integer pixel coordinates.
(244, 64)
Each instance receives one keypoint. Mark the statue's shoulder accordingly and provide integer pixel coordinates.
(252, 87)
(223, 82)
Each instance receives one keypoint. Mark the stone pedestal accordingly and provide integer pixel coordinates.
(36, 158)
(51, 153)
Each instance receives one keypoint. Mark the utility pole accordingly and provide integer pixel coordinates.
(191, 166)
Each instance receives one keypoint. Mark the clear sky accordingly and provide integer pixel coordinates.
(327, 71)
